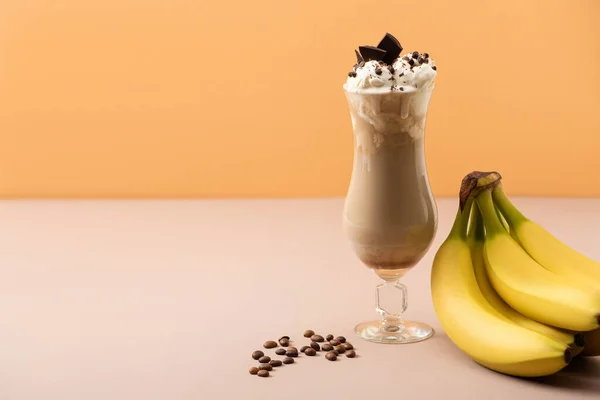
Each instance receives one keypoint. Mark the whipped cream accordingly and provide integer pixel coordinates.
(409, 72)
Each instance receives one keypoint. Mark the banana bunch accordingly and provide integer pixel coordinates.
(509, 294)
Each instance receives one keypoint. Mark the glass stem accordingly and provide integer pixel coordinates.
(392, 301)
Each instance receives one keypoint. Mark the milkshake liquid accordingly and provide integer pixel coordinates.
(389, 214)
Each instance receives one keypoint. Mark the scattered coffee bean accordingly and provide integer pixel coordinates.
(337, 353)
(284, 342)
(335, 342)
(275, 363)
(265, 366)
(317, 338)
(257, 354)
(291, 353)
(292, 348)
(303, 348)
(327, 347)
(309, 333)
(288, 360)
(315, 346)
(264, 359)
(253, 370)
(263, 373)
(331, 356)
(340, 349)
(284, 337)
(348, 346)
(280, 352)
(351, 354)
(310, 352)
(269, 344)
(329, 337)
(341, 339)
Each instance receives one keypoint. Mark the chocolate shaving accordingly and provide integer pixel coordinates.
(359, 59)
(392, 47)
(372, 53)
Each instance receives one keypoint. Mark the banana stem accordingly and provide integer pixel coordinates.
(461, 222)
(488, 211)
(476, 227)
(512, 215)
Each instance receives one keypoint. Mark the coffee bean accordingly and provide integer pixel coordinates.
(315, 346)
(351, 354)
(284, 342)
(329, 337)
(310, 352)
(263, 373)
(291, 353)
(341, 339)
(284, 337)
(317, 338)
(303, 348)
(275, 363)
(266, 366)
(348, 346)
(331, 356)
(280, 352)
(309, 333)
(269, 344)
(292, 348)
(288, 360)
(340, 349)
(337, 353)
(335, 342)
(264, 359)
(257, 354)
(327, 347)
(253, 370)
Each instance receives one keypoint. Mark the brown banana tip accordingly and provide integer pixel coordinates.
(474, 182)
(579, 340)
(568, 355)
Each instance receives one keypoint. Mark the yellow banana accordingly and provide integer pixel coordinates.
(546, 249)
(478, 329)
(529, 288)
(476, 238)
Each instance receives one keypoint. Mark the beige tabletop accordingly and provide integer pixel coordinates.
(167, 300)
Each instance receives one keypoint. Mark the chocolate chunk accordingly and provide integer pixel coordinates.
(401, 89)
(434, 68)
(378, 71)
(359, 58)
(415, 54)
(421, 60)
(372, 53)
(391, 69)
(411, 62)
(352, 74)
(392, 47)
(426, 61)
(406, 58)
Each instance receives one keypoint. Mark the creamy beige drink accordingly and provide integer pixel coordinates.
(390, 215)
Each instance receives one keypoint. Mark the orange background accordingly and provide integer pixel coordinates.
(182, 98)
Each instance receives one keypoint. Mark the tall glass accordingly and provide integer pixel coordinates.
(390, 215)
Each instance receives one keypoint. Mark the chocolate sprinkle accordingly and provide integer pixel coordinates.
(392, 47)
(372, 53)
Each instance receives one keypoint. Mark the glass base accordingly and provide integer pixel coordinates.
(408, 332)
